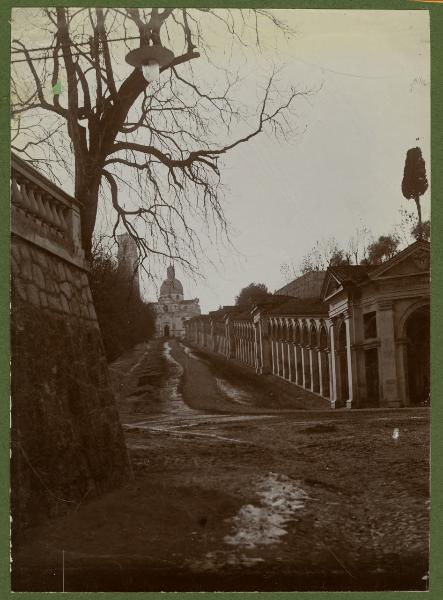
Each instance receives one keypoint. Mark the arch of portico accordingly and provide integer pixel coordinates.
(244, 342)
(413, 352)
(300, 352)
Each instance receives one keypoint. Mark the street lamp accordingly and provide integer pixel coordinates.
(151, 59)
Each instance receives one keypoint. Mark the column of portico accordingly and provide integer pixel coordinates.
(265, 350)
(402, 370)
(296, 357)
(311, 368)
(320, 371)
(307, 351)
(294, 350)
(272, 353)
(388, 374)
(333, 367)
(347, 319)
(289, 351)
(299, 359)
(324, 371)
(282, 348)
(277, 362)
(289, 359)
(253, 344)
(275, 345)
(316, 369)
(213, 338)
(303, 365)
(256, 363)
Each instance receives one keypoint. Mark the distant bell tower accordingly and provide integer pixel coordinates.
(127, 257)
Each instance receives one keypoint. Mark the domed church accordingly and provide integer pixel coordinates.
(171, 309)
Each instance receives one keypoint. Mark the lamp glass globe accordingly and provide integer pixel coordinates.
(151, 71)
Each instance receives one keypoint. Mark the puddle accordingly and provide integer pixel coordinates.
(233, 393)
(257, 526)
(176, 371)
(265, 524)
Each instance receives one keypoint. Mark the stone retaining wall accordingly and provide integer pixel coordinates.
(67, 442)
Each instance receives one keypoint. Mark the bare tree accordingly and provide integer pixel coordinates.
(149, 151)
(358, 244)
(324, 253)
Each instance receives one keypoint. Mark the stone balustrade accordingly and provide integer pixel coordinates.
(43, 214)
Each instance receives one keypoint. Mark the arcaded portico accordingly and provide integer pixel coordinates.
(364, 341)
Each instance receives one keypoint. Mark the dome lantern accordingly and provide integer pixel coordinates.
(171, 286)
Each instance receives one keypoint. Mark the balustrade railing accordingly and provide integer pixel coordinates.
(43, 213)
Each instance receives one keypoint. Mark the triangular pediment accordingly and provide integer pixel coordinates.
(413, 260)
(331, 286)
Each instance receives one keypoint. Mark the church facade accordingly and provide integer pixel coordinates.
(172, 310)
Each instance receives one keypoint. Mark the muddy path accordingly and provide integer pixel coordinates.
(230, 496)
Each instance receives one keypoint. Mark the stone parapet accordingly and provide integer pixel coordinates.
(44, 215)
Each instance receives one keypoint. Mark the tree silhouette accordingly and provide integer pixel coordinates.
(160, 141)
(251, 293)
(422, 233)
(381, 250)
(124, 319)
(415, 182)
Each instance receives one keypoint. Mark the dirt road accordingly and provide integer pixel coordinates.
(231, 494)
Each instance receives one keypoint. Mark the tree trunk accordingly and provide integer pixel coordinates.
(87, 190)
(420, 225)
(88, 173)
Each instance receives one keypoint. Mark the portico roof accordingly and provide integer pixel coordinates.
(300, 307)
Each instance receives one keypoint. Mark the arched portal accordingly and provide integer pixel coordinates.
(166, 331)
(417, 333)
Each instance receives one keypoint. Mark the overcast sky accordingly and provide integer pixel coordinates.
(344, 169)
(369, 77)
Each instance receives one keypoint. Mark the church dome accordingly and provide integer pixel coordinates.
(171, 286)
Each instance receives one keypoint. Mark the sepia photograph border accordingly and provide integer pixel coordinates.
(435, 8)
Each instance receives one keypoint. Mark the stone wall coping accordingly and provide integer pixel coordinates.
(49, 246)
